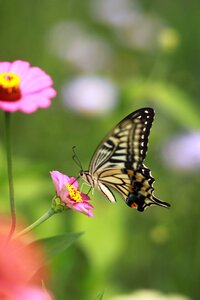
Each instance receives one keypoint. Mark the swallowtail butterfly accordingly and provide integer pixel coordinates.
(118, 162)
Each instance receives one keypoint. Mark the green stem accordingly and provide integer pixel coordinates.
(42, 219)
(10, 174)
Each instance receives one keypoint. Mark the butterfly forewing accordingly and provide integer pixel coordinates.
(118, 162)
(126, 144)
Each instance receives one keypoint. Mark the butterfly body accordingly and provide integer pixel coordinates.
(118, 162)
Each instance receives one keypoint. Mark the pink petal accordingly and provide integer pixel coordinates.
(30, 293)
(35, 80)
(4, 66)
(59, 180)
(20, 68)
(27, 107)
(7, 107)
(73, 182)
(64, 195)
(37, 96)
(48, 92)
(84, 208)
(29, 104)
(85, 196)
(44, 103)
(14, 106)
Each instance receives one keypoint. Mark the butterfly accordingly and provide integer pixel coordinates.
(117, 162)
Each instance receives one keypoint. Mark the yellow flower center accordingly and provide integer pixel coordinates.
(9, 80)
(9, 87)
(74, 193)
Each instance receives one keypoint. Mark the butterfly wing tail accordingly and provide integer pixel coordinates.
(140, 202)
(152, 201)
(157, 201)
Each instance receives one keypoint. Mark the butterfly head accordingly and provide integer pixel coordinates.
(86, 176)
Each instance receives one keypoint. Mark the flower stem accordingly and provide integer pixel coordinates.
(42, 219)
(10, 173)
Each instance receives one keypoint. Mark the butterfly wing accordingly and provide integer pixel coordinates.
(134, 186)
(126, 145)
(118, 162)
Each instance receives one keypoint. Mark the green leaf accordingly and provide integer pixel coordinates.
(57, 244)
(53, 246)
(100, 296)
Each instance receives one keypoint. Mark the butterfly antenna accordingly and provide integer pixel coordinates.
(76, 159)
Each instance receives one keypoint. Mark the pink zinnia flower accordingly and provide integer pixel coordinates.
(24, 88)
(18, 264)
(70, 196)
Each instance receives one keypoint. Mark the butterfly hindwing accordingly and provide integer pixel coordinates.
(135, 187)
(118, 180)
(118, 162)
(141, 194)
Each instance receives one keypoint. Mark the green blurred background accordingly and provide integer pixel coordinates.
(144, 53)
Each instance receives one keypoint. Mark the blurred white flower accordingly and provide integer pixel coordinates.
(90, 95)
(150, 295)
(142, 33)
(133, 28)
(73, 43)
(183, 152)
(117, 13)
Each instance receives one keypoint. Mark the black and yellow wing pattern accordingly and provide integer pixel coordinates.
(118, 162)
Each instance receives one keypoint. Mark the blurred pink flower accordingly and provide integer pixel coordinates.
(18, 264)
(24, 88)
(24, 293)
(70, 196)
